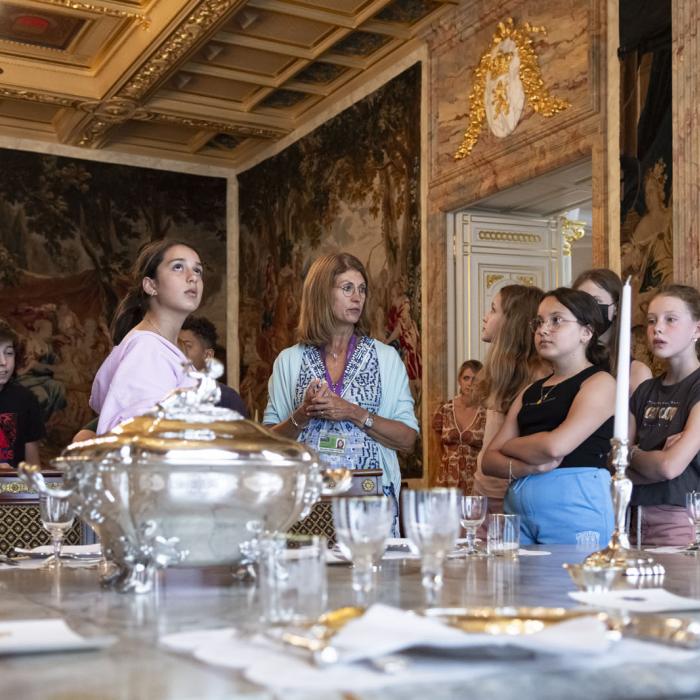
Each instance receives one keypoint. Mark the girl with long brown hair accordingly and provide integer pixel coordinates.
(511, 364)
(146, 362)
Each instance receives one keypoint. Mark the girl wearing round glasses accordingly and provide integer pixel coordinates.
(553, 445)
(338, 390)
(605, 287)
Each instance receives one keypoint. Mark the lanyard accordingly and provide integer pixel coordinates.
(339, 387)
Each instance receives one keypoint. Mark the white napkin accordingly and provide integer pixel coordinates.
(80, 549)
(637, 600)
(386, 630)
(532, 552)
(666, 550)
(273, 666)
(34, 636)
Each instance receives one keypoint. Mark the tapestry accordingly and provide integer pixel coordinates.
(69, 233)
(352, 185)
(646, 234)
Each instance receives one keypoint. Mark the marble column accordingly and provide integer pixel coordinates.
(686, 141)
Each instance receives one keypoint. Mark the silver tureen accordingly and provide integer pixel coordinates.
(187, 484)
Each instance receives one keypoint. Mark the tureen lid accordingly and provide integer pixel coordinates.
(186, 427)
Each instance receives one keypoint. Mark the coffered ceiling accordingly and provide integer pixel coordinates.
(210, 81)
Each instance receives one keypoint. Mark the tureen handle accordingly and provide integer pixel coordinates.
(32, 476)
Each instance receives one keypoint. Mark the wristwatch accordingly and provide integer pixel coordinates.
(368, 423)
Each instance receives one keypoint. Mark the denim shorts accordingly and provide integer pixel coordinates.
(555, 506)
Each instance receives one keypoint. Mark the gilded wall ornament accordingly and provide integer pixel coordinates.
(507, 73)
(570, 231)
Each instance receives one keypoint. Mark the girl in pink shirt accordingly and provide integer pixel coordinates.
(146, 363)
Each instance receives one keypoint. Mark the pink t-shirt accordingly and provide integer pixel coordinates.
(136, 375)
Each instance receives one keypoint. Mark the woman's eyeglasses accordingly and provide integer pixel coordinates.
(349, 289)
(553, 323)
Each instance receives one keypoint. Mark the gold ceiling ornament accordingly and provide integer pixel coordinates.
(139, 18)
(107, 113)
(508, 67)
(206, 16)
(43, 98)
(570, 231)
(208, 125)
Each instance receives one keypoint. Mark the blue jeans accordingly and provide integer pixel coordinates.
(556, 505)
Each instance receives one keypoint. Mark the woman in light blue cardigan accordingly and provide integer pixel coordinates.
(339, 391)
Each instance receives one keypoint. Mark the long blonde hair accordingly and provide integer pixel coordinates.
(512, 356)
(316, 319)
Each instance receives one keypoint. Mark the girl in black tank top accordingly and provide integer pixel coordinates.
(555, 440)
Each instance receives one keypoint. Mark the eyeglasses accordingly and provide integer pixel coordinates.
(553, 323)
(349, 289)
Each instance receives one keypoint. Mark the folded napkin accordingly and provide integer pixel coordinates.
(532, 552)
(666, 550)
(83, 555)
(577, 643)
(35, 636)
(387, 630)
(85, 550)
(637, 600)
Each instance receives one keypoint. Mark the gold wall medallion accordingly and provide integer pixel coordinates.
(507, 74)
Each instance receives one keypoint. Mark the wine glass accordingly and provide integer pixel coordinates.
(692, 506)
(472, 514)
(431, 518)
(57, 518)
(362, 525)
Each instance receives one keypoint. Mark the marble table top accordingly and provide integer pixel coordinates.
(135, 667)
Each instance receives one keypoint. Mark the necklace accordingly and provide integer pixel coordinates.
(544, 395)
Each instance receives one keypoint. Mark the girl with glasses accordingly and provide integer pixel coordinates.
(338, 390)
(605, 287)
(554, 443)
(665, 420)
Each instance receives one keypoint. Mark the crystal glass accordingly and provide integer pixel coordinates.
(292, 578)
(362, 525)
(431, 519)
(57, 518)
(692, 506)
(472, 514)
(503, 536)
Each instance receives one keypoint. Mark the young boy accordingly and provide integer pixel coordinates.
(21, 425)
(198, 341)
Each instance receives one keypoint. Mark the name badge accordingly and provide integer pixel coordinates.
(333, 443)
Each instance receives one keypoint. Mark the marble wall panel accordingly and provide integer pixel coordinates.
(574, 59)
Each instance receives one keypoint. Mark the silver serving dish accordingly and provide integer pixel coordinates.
(187, 484)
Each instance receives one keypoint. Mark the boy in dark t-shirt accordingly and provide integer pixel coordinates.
(21, 425)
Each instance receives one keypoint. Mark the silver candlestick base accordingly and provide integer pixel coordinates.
(618, 553)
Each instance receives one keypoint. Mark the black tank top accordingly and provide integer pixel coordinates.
(546, 407)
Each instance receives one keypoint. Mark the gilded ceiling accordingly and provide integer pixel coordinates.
(209, 81)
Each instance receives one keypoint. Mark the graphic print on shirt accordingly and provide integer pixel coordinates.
(657, 411)
(8, 436)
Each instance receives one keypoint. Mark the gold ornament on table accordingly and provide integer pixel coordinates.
(507, 72)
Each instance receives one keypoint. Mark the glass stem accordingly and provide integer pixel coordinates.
(431, 577)
(362, 579)
(697, 533)
(471, 536)
(57, 541)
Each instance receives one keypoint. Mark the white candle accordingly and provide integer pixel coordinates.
(623, 365)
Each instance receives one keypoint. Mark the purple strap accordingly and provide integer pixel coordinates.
(340, 386)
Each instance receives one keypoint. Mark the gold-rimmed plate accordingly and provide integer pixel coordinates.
(505, 620)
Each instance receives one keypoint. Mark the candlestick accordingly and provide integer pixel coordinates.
(622, 389)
